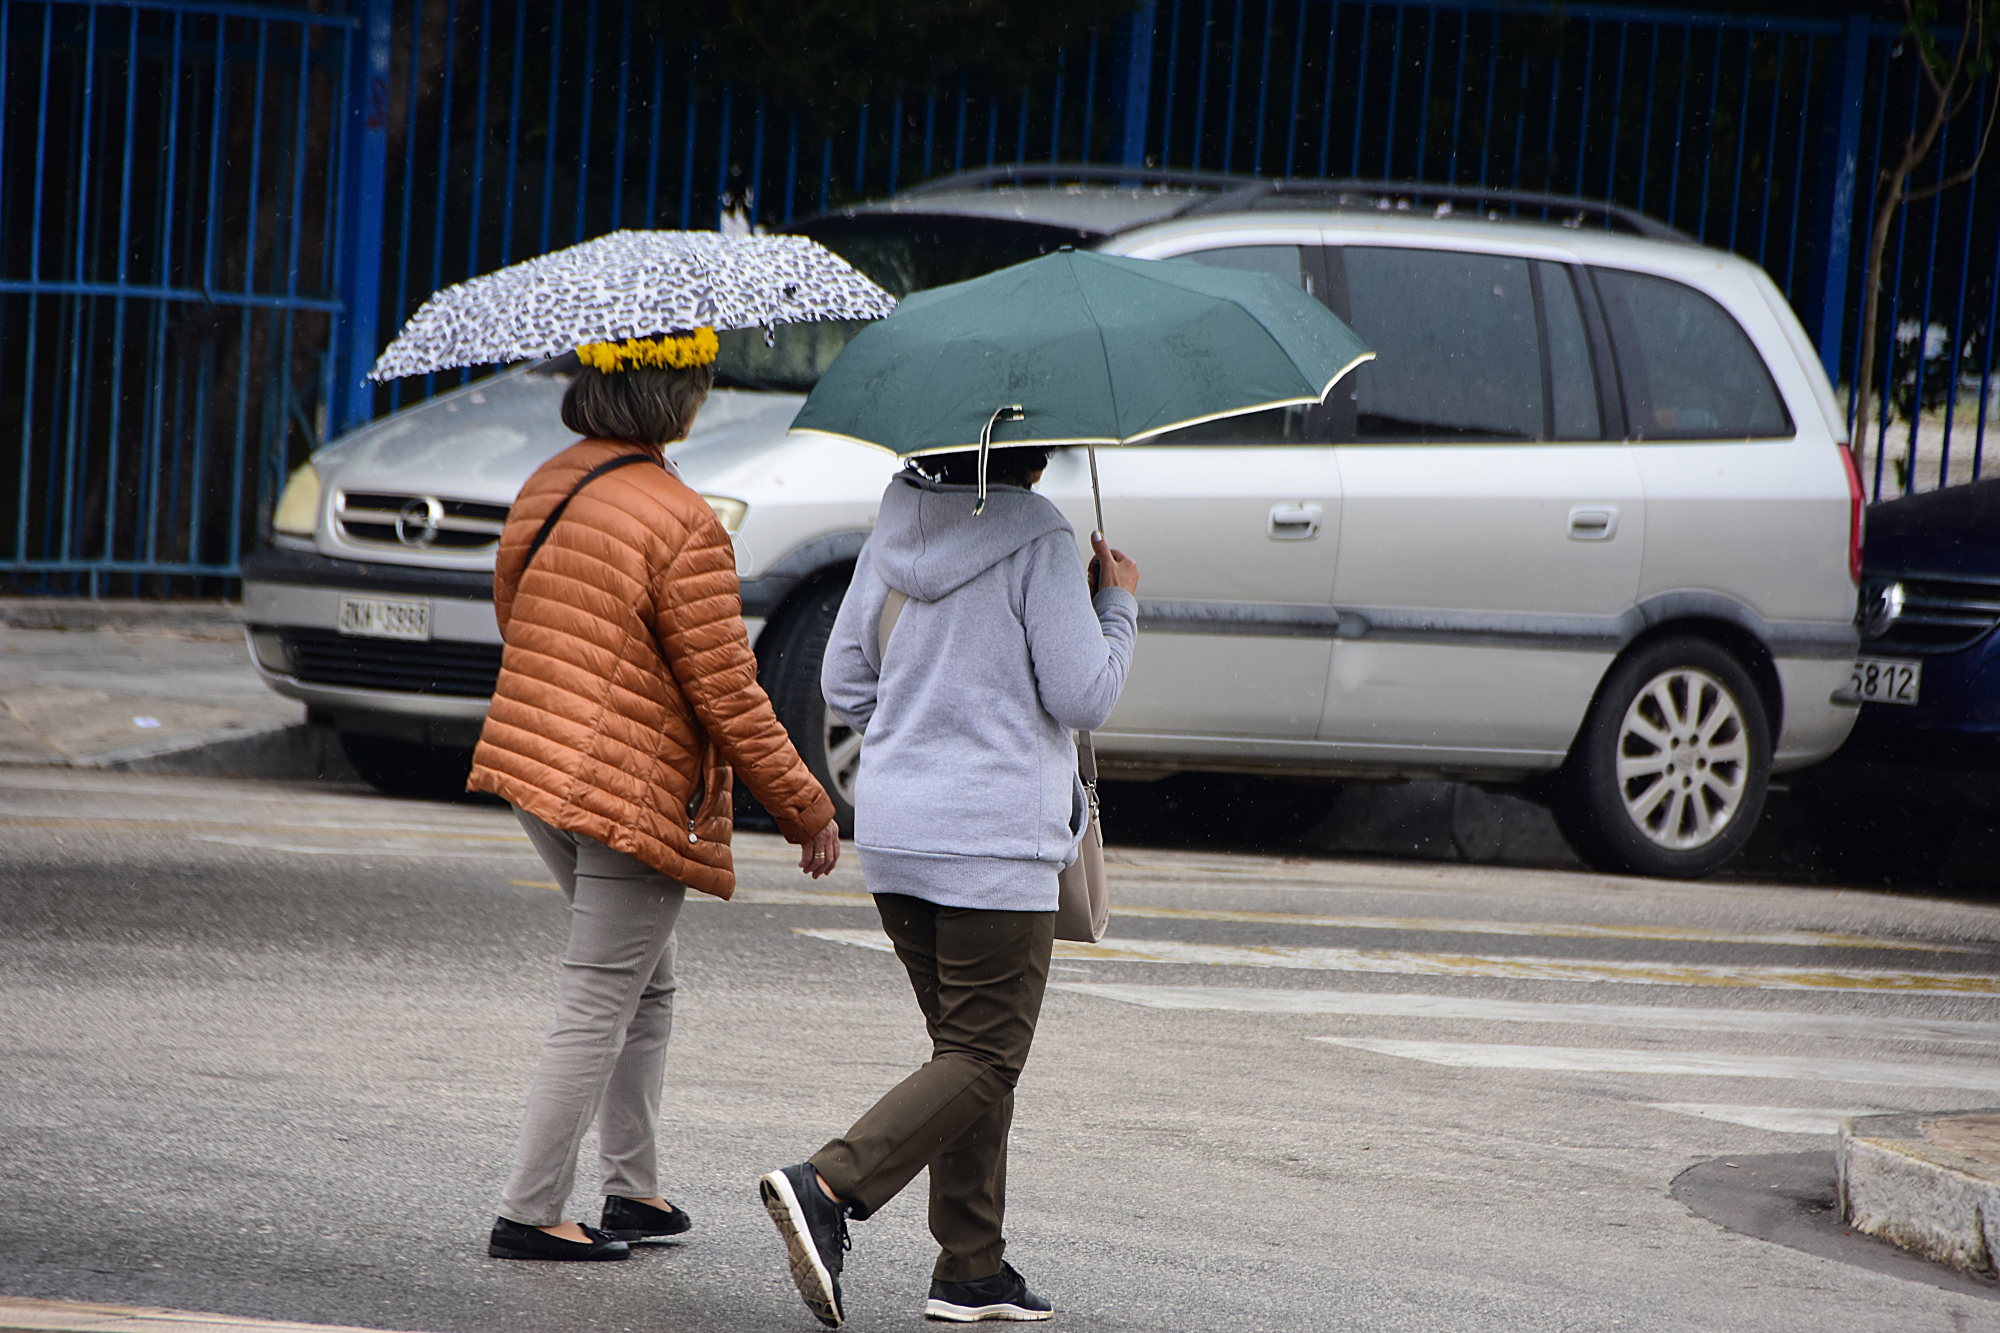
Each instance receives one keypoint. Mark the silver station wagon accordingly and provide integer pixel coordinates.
(1586, 523)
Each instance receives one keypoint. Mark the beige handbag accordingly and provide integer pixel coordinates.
(1083, 902)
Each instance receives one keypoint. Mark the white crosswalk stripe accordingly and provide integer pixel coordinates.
(1818, 1047)
(1589, 1060)
(1517, 967)
(1370, 1003)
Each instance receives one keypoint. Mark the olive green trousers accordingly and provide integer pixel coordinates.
(979, 978)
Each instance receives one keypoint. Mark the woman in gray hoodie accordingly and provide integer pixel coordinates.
(967, 807)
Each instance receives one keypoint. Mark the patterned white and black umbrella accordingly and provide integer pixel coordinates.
(630, 284)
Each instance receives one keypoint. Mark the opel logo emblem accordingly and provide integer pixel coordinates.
(417, 521)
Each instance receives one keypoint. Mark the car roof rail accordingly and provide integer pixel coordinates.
(1108, 173)
(1404, 196)
(1235, 193)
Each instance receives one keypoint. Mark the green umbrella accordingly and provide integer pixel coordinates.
(1079, 348)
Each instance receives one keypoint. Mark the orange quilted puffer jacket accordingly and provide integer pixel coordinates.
(628, 690)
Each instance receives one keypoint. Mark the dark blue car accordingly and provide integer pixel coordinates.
(1915, 792)
(1930, 659)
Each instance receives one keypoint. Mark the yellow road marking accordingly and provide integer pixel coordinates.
(1402, 963)
(536, 884)
(1548, 929)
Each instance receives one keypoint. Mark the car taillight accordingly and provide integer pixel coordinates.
(1855, 504)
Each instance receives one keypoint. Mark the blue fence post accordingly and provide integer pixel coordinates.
(1833, 228)
(1135, 47)
(365, 194)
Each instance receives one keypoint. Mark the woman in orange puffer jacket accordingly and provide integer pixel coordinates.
(627, 703)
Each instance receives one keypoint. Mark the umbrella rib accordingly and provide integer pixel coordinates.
(1110, 380)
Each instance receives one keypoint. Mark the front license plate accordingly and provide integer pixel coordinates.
(1885, 680)
(381, 618)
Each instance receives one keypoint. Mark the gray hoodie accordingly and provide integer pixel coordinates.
(967, 793)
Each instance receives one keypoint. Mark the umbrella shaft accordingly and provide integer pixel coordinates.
(1096, 493)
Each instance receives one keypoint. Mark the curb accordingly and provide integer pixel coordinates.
(21, 1315)
(286, 752)
(199, 619)
(1908, 1179)
(296, 752)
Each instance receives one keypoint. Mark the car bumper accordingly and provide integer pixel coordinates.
(434, 691)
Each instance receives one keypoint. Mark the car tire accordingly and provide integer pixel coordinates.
(407, 768)
(1667, 776)
(831, 749)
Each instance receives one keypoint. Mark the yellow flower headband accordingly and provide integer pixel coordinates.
(676, 351)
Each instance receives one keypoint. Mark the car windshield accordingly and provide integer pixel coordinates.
(902, 253)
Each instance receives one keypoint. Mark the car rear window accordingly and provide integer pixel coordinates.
(1688, 370)
(1457, 350)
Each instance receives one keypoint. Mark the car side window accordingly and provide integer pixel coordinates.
(1458, 350)
(1280, 261)
(1572, 372)
(1281, 425)
(1688, 370)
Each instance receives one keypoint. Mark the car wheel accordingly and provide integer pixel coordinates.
(1668, 774)
(831, 748)
(407, 768)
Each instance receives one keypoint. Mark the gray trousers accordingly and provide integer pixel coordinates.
(605, 1056)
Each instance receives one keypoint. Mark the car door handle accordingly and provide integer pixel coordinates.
(1593, 523)
(1294, 523)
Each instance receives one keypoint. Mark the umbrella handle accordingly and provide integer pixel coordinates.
(1000, 414)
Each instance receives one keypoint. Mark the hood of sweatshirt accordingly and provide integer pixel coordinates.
(928, 542)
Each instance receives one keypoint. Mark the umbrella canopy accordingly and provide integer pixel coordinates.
(630, 284)
(1094, 349)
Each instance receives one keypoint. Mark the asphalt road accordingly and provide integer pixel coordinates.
(263, 1050)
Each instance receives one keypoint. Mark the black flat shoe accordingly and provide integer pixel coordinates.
(634, 1220)
(516, 1240)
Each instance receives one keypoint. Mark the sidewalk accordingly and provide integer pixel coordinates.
(155, 686)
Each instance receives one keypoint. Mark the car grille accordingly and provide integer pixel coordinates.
(438, 667)
(1941, 615)
(423, 522)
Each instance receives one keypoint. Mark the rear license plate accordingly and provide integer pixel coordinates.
(1885, 680)
(381, 618)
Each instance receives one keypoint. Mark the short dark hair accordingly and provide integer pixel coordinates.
(1004, 467)
(645, 405)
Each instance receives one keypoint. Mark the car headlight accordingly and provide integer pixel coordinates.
(1881, 608)
(729, 511)
(297, 514)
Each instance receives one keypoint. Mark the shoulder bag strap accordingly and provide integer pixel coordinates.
(892, 609)
(549, 523)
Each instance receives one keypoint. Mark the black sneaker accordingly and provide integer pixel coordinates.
(1005, 1295)
(636, 1220)
(517, 1240)
(815, 1232)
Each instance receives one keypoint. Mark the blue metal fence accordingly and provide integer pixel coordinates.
(167, 241)
(213, 213)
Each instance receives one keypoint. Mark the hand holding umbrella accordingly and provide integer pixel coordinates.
(1111, 568)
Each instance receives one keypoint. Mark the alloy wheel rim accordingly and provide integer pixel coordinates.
(843, 756)
(1683, 759)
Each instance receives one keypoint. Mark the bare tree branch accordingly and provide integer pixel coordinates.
(1961, 177)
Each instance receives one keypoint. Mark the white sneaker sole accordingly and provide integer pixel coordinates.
(809, 1275)
(973, 1314)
